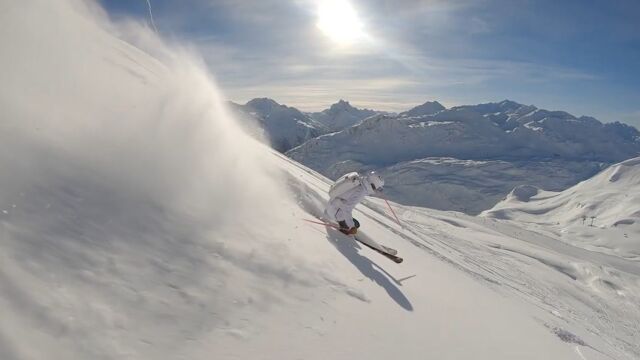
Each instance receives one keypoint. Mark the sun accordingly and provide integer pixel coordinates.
(338, 20)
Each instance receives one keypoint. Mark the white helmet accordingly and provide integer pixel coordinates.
(375, 181)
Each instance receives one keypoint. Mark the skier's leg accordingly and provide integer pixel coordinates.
(342, 221)
(330, 211)
(339, 216)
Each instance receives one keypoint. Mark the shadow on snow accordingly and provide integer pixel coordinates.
(349, 248)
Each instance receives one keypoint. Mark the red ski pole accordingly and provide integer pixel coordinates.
(390, 208)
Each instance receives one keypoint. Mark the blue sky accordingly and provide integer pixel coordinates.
(581, 56)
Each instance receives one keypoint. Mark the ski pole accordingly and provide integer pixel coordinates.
(390, 208)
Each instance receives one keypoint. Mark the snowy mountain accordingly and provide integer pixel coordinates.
(599, 214)
(342, 115)
(284, 127)
(489, 149)
(428, 108)
(505, 130)
(138, 221)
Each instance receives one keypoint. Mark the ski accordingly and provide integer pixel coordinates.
(386, 251)
(389, 250)
(388, 255)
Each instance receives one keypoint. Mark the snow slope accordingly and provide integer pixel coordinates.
(599, 214)
(138, 221)
(471, 186)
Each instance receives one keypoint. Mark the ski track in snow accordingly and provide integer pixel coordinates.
(601, 315)
(580, 353)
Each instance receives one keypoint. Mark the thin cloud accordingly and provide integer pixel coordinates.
(630, 117)
(456, 51)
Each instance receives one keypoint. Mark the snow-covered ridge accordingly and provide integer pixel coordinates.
(428, 108)
(283, 127)
(342, 115)
(600, 214)
(521, 140)
(504, 130)
(286, 127)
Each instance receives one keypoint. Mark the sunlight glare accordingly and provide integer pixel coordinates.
(338, 20)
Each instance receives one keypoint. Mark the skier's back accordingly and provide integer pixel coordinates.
(347, 192)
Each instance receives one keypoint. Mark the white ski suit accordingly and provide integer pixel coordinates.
(340, 207)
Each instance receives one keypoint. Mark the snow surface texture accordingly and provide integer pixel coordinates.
(599, 214)
(488, 149)
(139, 222)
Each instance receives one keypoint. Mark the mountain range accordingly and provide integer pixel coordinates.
(342, 115)
(286, 127)
(466, 158)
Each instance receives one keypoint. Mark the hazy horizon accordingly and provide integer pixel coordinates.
(392, 55)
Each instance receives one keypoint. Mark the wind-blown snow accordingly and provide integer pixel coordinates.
(284, 127)
(124, 183)
(138, 221)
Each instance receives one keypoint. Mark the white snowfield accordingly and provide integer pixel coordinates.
(471, 186)
(599, 214)
(138, 221)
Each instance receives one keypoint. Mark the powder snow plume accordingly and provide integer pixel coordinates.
(75, 109)
(122, 176)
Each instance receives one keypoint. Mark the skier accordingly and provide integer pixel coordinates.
(347, 192)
